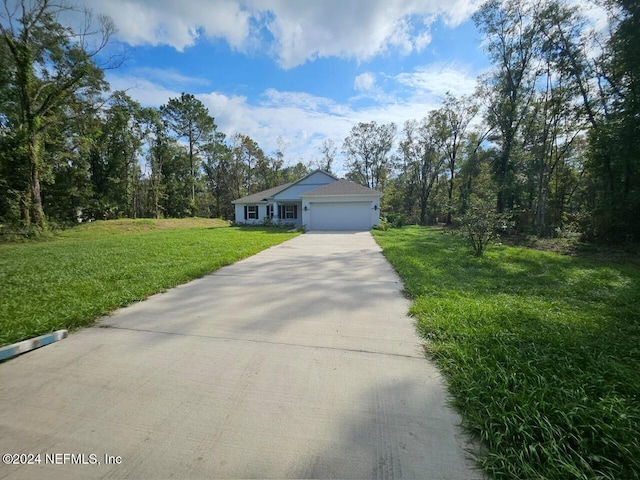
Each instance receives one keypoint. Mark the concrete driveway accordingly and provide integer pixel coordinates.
(299, 362)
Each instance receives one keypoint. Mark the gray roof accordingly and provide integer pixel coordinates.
(263, 195)
(341, 187)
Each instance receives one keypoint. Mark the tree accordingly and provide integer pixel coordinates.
(476, 160)
(614, 163)
(247, 155)
(449, 124)
(551, 135)
(217, 169)
(328, 151)
(189, 119)
(176, 201)
(512, 32)
(48, 64)
(294, 172)
(67, 189)
(115, 171)
(158, 143)
(421, 163)
(367, 149)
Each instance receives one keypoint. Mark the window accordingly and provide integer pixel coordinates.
(251, 212)
(287, 212)
(290, 212)
(269, 211)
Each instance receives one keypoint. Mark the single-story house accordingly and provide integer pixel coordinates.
(319, 201)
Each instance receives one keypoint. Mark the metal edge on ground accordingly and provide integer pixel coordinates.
(13, 350)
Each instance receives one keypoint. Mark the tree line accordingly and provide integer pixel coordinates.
(72, 150)
(549, 138)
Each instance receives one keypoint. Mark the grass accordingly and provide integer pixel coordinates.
(90, 270)
(541, 351)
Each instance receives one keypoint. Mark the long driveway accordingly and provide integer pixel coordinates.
(299, 362)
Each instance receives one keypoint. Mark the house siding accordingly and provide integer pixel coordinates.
(262, 213)
(239, 211)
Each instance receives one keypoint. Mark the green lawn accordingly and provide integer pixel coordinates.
(88, 271)
(541, 351)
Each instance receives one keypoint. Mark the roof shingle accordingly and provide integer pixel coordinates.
(263, 195)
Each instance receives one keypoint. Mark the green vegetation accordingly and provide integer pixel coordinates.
(551, 130)
(541, 351)
(88, 271)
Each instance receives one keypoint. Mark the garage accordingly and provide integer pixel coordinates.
(340, 216)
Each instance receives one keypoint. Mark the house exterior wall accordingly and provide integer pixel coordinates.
(262, 213)
(239, 210)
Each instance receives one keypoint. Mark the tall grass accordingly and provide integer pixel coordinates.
(541, 351)
(92, 269)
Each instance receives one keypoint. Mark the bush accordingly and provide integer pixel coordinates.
(481, 224)
(384, 225)
(397, 220)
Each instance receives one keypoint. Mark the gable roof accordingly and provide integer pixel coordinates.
(266, 194)
(341, 187)
(307, 176)
(263, 195)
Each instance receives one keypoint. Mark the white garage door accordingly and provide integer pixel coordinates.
(341, 216)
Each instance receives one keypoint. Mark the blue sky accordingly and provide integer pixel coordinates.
(300, 70)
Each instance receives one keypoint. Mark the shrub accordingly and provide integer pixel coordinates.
(397, 220)
(383, 225)
(481, 224)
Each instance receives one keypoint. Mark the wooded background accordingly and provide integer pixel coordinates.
(551, 137)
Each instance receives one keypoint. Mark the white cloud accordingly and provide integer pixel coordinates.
(359, 29)
(144, 90)
(300, 30)
(365, 81)
(304, 120)
(438, 79)
(169, 77)
(277, 99)
(178, 24)
(594, 12)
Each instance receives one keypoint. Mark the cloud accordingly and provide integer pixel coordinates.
(438, 79)
(304, 120)
(292, 31)
(169, 77)
(177, 24)
(277, 99)
(364, 82)
(146, 91)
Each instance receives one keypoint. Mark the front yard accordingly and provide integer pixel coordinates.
(541, 351)
(95, 268)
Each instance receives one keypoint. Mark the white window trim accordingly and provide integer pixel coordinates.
(252, 212)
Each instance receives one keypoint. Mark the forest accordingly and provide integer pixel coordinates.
(549, 139)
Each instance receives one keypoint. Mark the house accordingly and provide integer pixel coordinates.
(319, 201)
